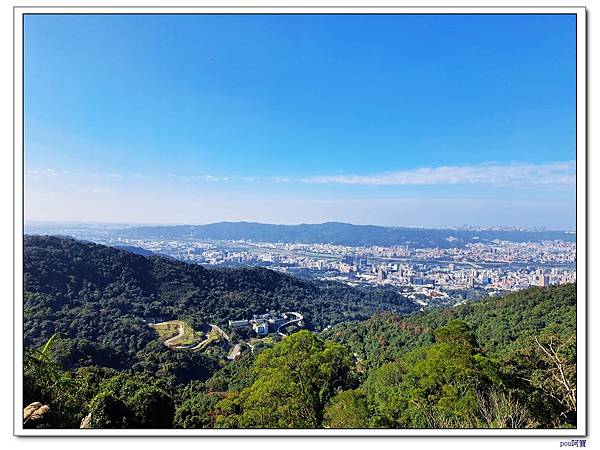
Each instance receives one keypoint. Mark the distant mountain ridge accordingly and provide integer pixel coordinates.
(339, 233)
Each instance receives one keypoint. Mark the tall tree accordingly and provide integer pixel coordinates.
(294, 381)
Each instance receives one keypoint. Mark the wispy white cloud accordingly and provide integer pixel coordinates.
(281, 180)
(548, 176)
(45, 173)
(268, 179)
(95, 190)
(552, 175)
(205, 178)
(556, 175)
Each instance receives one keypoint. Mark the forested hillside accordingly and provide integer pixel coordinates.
(98, 296)
(498, 324)
(498, 363)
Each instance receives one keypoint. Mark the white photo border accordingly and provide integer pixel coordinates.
(581, 217)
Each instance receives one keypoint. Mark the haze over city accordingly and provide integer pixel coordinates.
(301, 119)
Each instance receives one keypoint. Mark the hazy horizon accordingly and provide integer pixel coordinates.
(174, 224)
(289, 119)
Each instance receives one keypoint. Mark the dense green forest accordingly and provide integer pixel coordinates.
(502, 362)
(498, 324)
(95, 298)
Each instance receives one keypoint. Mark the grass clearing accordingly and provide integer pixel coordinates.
(189, 335)
(167, 330)
(212, 337)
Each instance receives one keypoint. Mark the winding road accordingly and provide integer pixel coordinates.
(235, 352)
(170, 343)
(179, 335)
(221, 332)
(181, 327)
(204, 343)
(298, 318)
(199, 346)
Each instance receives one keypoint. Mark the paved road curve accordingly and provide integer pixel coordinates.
(234, 352)
(205, 342)
(221, 332)
(179, 335)
(298, 318)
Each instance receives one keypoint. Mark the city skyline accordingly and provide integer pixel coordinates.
(301, 119)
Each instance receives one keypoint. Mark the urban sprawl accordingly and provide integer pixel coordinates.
(429, 276)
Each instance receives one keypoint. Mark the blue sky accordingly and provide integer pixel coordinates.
(418, 120)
